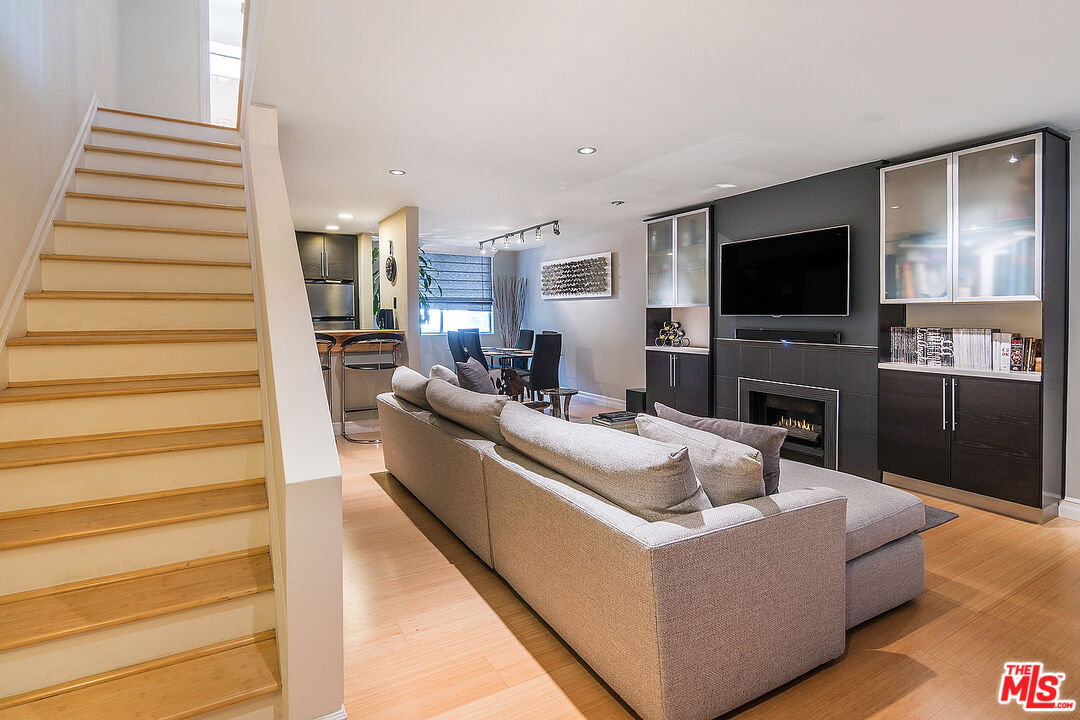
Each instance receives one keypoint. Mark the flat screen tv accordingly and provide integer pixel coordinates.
(803, 273)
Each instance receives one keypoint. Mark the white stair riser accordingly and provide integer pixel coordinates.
(37, 666)
(262, 708)
(44, 485)
(118, 413)
(141, 277)
(118, 212)
(134, 243)
(165, 127)
(58, 563)
(160, 166)
(157, 189)
(42, 363)
(159, 145)
(64, 315)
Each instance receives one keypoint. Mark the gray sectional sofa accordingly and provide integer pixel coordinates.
(686, 617)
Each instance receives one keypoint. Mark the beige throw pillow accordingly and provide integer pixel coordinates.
(444, 373)
(410, 386)
(478, 412)
(728, 471)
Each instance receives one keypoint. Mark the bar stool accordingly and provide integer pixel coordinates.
(372, 343)
(325, 343)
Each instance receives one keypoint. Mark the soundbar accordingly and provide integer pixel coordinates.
(825, 337)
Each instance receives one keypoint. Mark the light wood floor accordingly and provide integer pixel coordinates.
(431, 632)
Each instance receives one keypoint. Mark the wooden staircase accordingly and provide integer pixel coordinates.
(135, 562)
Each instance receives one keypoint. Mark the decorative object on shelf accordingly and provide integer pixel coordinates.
(486, 249)
(586, 276)
(672, 335)
(511, 295)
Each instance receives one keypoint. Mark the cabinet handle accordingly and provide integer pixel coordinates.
(943, 383)
(675, 370)
(325, 264)
(954, 404)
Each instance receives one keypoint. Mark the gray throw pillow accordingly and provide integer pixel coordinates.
(764, 438)
(444, 373)
(472, 375)
(478, 412)
(411, 386)
(651, 479)
(728, 471)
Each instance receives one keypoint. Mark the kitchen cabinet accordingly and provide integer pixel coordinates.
(677, 379)
(327, 257)
(981, 435)
(677, 260)
(965, 226)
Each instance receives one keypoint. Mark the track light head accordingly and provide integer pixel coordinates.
(537, 234)
(506, 241)
(521, 236)
(483, 249)
(555, 228)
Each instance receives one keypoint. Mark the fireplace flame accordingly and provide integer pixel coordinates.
(796, 423)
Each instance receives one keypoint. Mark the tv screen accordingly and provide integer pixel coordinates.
(804, 273)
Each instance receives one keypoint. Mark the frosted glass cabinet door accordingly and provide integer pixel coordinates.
(997, 228)
(691, 265)
(660, 264)
(916, 215)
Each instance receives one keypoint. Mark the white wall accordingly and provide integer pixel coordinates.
(159, 61)
(1071, 507)
(603, 338)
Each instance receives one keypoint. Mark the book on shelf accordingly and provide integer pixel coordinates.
(965, 349)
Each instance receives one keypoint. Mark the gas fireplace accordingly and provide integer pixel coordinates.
(809, 414)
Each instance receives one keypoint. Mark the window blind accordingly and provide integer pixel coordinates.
(465, 281)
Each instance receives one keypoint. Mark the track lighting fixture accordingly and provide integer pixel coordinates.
(555, 227)
(537, 234)
(506, 241)
(484, 249)
(521, 236)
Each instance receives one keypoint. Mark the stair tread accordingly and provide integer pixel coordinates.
(154, 201)
(126, 338)
(45, 527)
(98, 388)
(151, 116)
(67, 612)
(175, 691)
(91, 447)
(144, 261)
(161, 156)
(145, 228)
(160, 136)
(158, 178)
(140, 295)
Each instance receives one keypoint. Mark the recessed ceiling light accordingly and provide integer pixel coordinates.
(586, 150)
(726, 186)
(344, 216)
(332, 227)
(894, 207)
(616, 203)
(1014, 159)
(397, 172)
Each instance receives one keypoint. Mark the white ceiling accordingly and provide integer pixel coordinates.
(484, 103)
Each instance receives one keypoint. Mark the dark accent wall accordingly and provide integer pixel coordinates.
(843, 197)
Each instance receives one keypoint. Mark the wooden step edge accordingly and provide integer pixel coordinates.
(145, 261)
(161, 156)
(125, 499)
(116, 295)
(132, 113)
(131, 378)
(158, 178)
(67, 338)
(154, 201)
(133, 575)
(130, 670)
(128, 434)
(170, 138)
(146, 228)
(73, 390)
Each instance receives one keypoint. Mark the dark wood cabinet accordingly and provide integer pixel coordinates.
(310, 246)
(913, 439)
(983, 435)
(327, 257)
(678, 380)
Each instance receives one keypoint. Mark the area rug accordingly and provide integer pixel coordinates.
(937, 516)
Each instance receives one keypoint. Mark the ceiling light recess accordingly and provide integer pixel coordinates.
(726, 186)
(344, 216)
(397, 172)
(332, 227)
(488, 246)
(586, 150)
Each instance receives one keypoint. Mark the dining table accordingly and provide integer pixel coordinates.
(503, 358)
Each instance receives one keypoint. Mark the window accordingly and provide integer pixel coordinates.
(466, 298)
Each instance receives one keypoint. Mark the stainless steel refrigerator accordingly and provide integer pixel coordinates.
(333, 305)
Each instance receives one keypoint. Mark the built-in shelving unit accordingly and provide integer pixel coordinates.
(1000, 375)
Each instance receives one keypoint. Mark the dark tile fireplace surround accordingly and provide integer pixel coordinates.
(831, 386)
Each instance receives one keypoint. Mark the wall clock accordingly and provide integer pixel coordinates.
(391, 268)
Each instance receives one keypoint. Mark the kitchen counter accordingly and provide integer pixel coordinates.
(343, 335)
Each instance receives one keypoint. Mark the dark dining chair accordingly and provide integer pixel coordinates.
(524, 342)
(544, 369)
(457, 347)
(471, 340)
